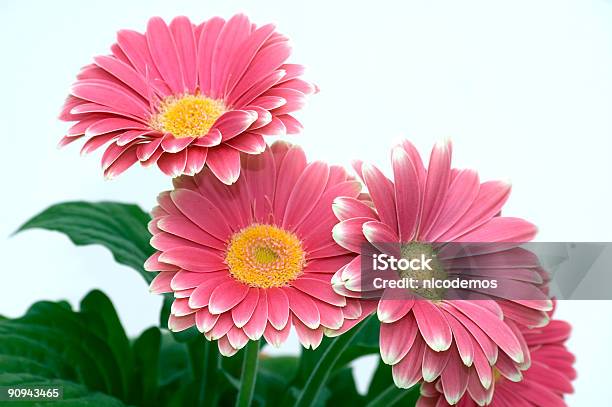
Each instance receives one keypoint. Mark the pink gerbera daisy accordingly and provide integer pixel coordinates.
(256, 257)
(544, 384)
(446, 334)
(184, 95)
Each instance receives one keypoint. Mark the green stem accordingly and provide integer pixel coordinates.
(249, 374)
(394, 395)
(326, 364)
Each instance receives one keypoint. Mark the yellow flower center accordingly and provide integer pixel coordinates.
(187, 115)
(265, 256)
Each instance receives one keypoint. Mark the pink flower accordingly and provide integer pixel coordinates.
(254, 258)
(450, 335)
(184, 95)
(544, 384)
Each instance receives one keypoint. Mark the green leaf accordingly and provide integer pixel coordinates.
(384, 392)
(319, 376)
(105, 322)
(344, 390)
(381, 379)
(394, 396)
(145, 375)
(121, 228)
(89, 355)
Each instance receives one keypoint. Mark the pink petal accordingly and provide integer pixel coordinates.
(192, 259)
(461, 194)
(306, 192)
(319, 289)
(498, 331)
(292, 167)
(331, 315)
(463, 341)
(171, 144)
(224, 162)
(202, 212)
(98, 141)
(173, 165)
(237, 338)
(244, 55)
(396, 339)
(196, 158)
(278, 310)
(303, 307)
(146, 150)
(349, 234)
(183, 227)
(161, 282)
(263, 65)
(164, 54)
(433, 363)
(407, 194)
(122, 163)
(408, 371)
(225, 347)
(292, 125)
(454, 378)
(177, 324)
(345, 208)
(436, 186)
(260, 173)
(205, 321)
(212, 139)
(254, 329)
(491, 197)
(277, 337)
(249, 143)
(113, 124)
(134, 45)
(184, 40)
(382, 193)
(180, 307)
(111, 95)
(185, 279)
(275, 128)
(125, 73)
(382, 237)
(222, 327)
(153, 264)
(234, 122)
(242, 312)
(309, 337)
(206, 48)
(391, 308)
(232, 35)
(131, 135)
(501, 229)
(432, 325)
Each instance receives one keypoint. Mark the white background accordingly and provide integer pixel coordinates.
(524, 89)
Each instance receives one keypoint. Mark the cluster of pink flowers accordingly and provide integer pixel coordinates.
(254, 240)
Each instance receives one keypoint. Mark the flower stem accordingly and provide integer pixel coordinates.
(326, 364)
(393, 395)
(249, 374)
